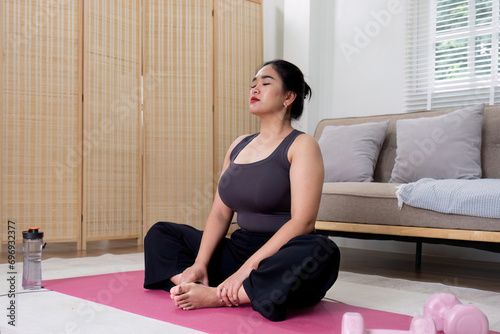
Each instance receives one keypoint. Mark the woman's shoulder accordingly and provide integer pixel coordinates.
(235, 143)
(304, 140)
(303, 146)
(238, 140)
(241, 137)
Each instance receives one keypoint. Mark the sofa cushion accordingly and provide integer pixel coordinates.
(350, 152)
(440, 147)
(376, 203)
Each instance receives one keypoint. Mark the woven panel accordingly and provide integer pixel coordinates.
(3, 227)
(178, 119)
(238, 54)
(111, 135)
(41, 174)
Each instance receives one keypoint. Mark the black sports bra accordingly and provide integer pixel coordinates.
(259, 191)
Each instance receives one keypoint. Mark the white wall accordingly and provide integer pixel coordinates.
(296, 43)
(368, 61)
(352, 54)
(273, 29)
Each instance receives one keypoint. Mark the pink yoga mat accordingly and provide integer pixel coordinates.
(124, 291)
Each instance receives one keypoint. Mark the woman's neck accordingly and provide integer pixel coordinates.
(272, 128)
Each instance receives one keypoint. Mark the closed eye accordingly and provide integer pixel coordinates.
(253, 85)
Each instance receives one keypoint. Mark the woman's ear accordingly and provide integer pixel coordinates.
(290, 97)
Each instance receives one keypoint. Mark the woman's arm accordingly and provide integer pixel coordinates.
(216, 228)
(306, 182)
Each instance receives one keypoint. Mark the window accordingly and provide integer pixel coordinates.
(452, 53)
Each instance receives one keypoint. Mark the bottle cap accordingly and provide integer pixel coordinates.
(32, 233)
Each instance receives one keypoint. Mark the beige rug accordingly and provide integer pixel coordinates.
(408, 297)
(46, 311)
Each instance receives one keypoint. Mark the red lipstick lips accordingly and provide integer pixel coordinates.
(254, 99)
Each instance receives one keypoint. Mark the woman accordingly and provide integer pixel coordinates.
(273, 180)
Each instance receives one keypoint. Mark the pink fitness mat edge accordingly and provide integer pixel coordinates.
(124, 291)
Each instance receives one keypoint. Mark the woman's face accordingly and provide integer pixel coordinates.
(266, 93)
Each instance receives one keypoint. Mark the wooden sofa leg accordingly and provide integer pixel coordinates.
(418, 256)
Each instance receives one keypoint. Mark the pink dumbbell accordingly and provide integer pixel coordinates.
(353, 323)
(452, 317)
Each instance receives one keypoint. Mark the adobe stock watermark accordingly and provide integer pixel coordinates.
(203, 194)
(226, 6)
(87, 311)
(124, 107)
(30, 26)
(293, 278)
(202, 198)
(363, 35)
(436, 138)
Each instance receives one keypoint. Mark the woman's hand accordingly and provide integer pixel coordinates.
(228, 290)
(196, 273)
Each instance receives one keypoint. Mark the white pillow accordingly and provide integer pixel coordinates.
(350, 152)
(441, 147)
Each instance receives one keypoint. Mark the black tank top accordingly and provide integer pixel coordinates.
(259, 192)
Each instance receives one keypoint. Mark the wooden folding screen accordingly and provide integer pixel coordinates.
(3, 227)
(186, 131)
(178, 118)
(177, 111)
(41, 124)
(238, 54)
(72, 156)
(112, 191)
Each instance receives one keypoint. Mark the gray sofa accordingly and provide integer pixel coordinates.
(370, 209)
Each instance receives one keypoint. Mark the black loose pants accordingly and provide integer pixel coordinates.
(298, 275)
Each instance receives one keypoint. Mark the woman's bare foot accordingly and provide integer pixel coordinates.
(191, 296)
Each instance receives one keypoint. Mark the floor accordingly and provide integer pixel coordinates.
(449, 271)
(366, 279)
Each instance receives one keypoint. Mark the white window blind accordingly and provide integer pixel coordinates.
(452, 53)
